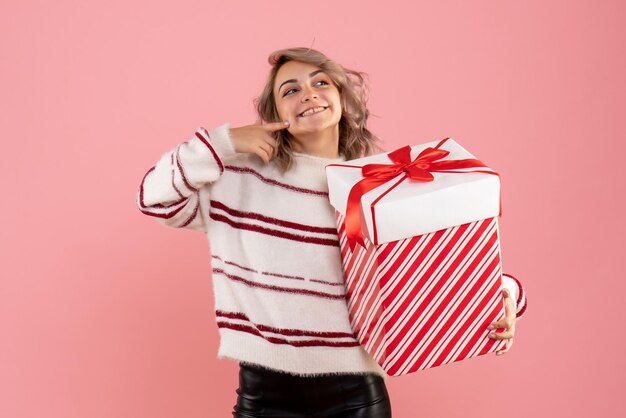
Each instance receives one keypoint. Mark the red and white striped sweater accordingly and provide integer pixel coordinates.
(277, 272)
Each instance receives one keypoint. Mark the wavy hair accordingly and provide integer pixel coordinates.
(355, 140)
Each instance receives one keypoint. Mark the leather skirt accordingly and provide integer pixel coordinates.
(267, 393)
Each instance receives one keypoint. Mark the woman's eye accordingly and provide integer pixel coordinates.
(320, 81)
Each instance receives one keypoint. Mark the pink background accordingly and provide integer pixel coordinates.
(105, 313)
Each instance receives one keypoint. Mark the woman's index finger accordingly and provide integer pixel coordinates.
(276, 126)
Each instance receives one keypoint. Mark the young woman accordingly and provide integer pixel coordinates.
(259, 192)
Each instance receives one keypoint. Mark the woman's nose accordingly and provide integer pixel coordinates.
(307, 94)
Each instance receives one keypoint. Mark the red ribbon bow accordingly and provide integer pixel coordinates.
(420, 169)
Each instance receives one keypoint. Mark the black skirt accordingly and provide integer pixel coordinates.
(267, 393)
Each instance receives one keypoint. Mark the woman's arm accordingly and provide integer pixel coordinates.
(169, 191)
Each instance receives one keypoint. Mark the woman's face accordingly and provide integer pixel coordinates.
(300, 86)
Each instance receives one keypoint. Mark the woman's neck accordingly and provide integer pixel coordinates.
(323, 144)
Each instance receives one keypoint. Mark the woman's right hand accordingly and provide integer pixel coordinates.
(257, 139)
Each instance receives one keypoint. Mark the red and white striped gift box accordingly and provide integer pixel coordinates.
(421, 253)
(426, 300)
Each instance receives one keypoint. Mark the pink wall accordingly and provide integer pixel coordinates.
(104, 313)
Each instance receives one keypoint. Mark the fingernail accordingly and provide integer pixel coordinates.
(286, 122)
(490, 327)
(492, 335)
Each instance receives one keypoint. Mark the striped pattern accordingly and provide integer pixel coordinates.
(276, 227)
(425, 301)
(280, 297)
(277, 282)
(280, 275)
(203, 135)
(180, 183)
(273, 182)
(239, 321)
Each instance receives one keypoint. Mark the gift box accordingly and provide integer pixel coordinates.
(420, 249)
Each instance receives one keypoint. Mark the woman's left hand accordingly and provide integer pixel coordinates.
(508, 323)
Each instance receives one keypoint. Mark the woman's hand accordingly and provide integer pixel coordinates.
(257, 139)
(508, 322)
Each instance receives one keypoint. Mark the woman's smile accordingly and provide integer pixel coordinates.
(314, 111)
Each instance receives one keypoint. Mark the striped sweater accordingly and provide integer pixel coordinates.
(275, 255)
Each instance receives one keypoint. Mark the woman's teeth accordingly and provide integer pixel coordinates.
(312, 111)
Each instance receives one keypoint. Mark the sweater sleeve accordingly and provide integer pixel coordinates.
(169, 191)
(517, 293)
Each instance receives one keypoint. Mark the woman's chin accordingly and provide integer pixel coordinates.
(309, 126)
